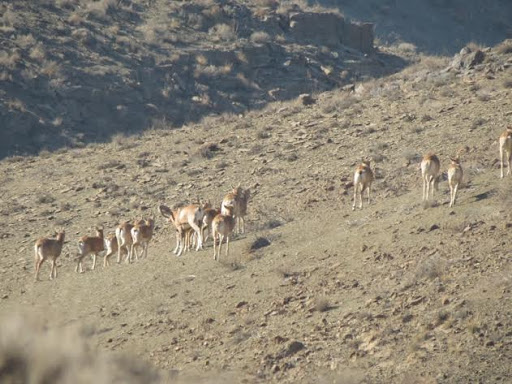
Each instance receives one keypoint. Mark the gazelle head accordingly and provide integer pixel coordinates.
(366, 161)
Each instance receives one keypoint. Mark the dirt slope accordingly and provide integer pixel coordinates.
(397, 292)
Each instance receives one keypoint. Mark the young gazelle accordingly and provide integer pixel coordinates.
(430, 166)
(363, 178)
(222, 227)
(111, 247)
(142, 232)
(209, 215)
(89, 245)
(454, 178)
(46, 248)
(506, 148)
(237, 199)
(124, 240)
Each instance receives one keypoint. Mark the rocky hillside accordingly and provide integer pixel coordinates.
(432, 26)
(399, 292)
(80, 71)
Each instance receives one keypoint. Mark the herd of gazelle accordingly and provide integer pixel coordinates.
(430, 172)
(190, 222)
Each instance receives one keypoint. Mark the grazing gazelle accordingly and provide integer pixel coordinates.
(363, 178)
(430, 166)
(45, 249)
(454, 178)
(222, 227)
(506, 149)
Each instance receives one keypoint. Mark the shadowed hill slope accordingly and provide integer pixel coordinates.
(434, 26)
(80, 71)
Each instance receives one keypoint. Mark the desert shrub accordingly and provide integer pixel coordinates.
(483, 96)
(222, 32)
(260, 37)
(100, 9)
(51, 69)
(10, 59)
(31, 354)
(338, 103)
(431, 268)
(505, 47)
(322, 304)
(507, 83)
(75, 19)
(37, 52)
(407, 48)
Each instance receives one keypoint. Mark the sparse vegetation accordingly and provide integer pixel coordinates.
(260, 37)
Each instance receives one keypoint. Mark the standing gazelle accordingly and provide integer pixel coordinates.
(142, 232)
(110, 247)
(89, 245)
(363, 178)
(46, 248)
(506, 148)
(222, 227)
(430, 166)
(454, 178)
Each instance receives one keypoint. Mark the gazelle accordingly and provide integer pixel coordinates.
(430, 166)
(124, 240)
(209, 215)
(142, 232)
(111, 246)
(89, 245)
(185, 220)
(506, 148)
(222, 227)
(237, 199)
(454, 178)
(363, 178)
(51, 249)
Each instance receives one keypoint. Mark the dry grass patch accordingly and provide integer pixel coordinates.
(322, 304)
(507, 83)
(222, 32)
(25, 41)
(38, 53)
(10, 59)
(505, 47)
(339, 103)
(100, 9)
(75, 18)
(260, 37)
(31, 354)
(66, 3)
(51, 69)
